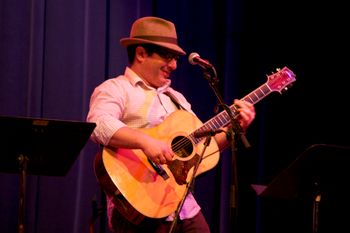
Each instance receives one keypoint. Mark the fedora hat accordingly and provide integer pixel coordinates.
(153, 30)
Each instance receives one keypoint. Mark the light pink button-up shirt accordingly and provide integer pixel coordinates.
(127, 100)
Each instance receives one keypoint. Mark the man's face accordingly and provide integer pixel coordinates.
(158, 66)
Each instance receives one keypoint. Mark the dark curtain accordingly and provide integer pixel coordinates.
(53, 54)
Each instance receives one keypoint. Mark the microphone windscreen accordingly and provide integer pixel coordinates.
(191, 58)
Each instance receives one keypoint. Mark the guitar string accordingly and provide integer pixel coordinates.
(215, 123)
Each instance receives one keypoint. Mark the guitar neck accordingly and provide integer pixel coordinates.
(223, 118)
(276, 82)
(257, 95)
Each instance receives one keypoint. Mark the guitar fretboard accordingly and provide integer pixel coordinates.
(223, 118)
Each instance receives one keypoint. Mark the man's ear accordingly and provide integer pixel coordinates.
(140, 53)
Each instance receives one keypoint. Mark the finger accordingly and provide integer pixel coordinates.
(244, 104)
(162, 159)
(157, 160)
(169, 156)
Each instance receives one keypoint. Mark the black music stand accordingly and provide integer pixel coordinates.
(320, 170)
(39, 147)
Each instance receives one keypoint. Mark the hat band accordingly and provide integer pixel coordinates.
(159, 39)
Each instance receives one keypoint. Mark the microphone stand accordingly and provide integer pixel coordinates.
(190, 184)
(210, 75)
(234, 131)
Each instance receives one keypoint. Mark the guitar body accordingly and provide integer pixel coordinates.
(130, 172)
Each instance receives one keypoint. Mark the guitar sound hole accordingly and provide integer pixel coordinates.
(182, 146)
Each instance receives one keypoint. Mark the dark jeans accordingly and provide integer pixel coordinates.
(197, 224)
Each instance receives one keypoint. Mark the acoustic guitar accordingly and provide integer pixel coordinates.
(154, 191)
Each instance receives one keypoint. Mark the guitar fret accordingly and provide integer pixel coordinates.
(254, 97)
(224, 118)
(218, 122)
(208, 126)
(259, 93)
(265, 89)
(211, 124)
(248, 99)
(214, 124)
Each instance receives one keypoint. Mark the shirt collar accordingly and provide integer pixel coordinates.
(135, 80)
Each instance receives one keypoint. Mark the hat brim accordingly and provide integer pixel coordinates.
(173, 47)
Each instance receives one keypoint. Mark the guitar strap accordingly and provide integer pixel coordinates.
(174, 99)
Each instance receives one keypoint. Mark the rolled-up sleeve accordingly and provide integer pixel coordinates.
(105, 110)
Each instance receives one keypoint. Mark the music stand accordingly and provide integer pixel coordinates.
(38, 146)
(320, 169)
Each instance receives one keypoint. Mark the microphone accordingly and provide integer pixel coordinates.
(204, 133)
(195, 59)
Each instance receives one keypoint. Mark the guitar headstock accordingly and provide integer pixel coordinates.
(281, 79)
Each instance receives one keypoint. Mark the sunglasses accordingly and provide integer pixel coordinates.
(167, 55)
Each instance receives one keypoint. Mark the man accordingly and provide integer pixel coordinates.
(143, 98)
